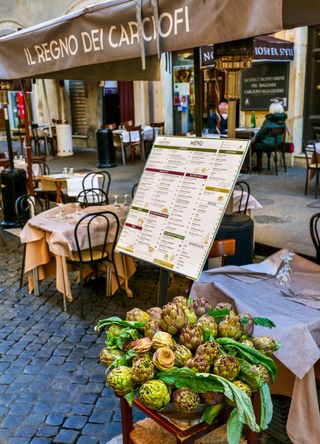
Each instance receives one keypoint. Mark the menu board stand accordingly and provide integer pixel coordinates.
(179, 203)
(163, 287)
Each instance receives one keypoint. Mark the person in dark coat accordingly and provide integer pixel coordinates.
(214, 118)
(264, 140)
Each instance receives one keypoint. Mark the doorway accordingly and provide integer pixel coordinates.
(118, 102)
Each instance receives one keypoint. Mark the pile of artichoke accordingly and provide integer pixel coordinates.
(190, 353)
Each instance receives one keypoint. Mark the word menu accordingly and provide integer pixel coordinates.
(180, 201)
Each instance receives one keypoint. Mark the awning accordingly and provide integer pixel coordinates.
(90, 39)
(265, 47)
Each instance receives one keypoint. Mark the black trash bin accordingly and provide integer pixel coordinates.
(13, 185)
(239, 227)
(106, 151)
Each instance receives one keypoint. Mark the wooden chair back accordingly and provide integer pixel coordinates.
(223, 248)
(111, 126)
(127, 123)
(159, 126)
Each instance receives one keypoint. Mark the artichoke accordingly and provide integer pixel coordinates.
(181, 355)
(226, 305)
(142, 345)
(262, 371)
(107, 357)
(198, 364)
(207, 324)
(247, 327)
(155, 313)
(138, 315)
(265, 344)
(226, 366)
(173, 318)
(162, 339)
(212, 398)
(191, 337)
(115, 330)
(242, 386)
(142, 370)
(164, 358)
(150, 328)
(185, 400)
(209, 350)
(247, 342)
(180, 300)
(120, 380)
(154, 394)
(201, 306)
(230, 327)
(191, 316)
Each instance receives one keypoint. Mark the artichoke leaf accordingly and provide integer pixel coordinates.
(266, 407)
(246, 374)
(211, 412)
(250, 354)
(129, 397)
(234, 427)
(118, 321)
(264, 322)
(219, 314)
(124, 360)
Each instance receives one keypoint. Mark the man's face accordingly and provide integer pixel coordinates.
(223, 108)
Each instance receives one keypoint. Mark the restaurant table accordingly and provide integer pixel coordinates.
(253, 288)
(71, 184)
(247, 133)
(50, 241)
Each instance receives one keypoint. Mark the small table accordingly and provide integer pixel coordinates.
(55, 182)
(183, 433)
(247, 133)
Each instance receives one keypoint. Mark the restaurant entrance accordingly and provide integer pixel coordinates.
(118, 102)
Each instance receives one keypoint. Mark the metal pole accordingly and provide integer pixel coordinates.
(8, 133)
(163, 287)
(28, 145)
(198, 91)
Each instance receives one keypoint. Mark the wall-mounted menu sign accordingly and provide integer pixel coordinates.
(263, 83)
(180, 201)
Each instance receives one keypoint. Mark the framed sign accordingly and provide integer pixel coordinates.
(180, 201)
(263, 83)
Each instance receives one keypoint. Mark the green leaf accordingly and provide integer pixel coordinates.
(249, 376)
(234, 427)
(244, 320)
(211, 412)
(124, 360)
(129, 397)
(264, 322)
(266, 407)
(218, 315)
(206, 335)
(126, 335)
(115, 320)
(250, 354)
(190, 300)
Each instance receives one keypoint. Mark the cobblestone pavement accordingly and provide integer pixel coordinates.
(51, 382)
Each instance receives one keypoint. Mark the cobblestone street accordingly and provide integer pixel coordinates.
(52, 386)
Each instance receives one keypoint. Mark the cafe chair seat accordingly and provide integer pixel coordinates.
(88, 256)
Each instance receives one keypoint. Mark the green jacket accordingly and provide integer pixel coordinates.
(264, 139)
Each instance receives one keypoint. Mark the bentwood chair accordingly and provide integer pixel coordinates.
(244, 188)
(101, 232)
(26, 206)
(315, 234)
(37, 139)
(92, 196)
(133, 191)
(279, 144)
(313, 167)
(134, 139)
(97, 179)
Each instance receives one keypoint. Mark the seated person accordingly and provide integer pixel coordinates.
(213, 120)
(264, 140)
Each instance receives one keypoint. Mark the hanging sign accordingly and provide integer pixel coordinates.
(180, 201)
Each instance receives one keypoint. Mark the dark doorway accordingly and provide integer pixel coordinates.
(311, 124)
(118, 102)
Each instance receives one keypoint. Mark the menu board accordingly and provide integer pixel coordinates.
(180, 201)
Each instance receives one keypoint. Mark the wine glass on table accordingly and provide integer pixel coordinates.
(116, 203)
(126, 201)
(284, 275)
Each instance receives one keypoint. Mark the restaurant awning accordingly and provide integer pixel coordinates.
(265, 48)
(96, 42)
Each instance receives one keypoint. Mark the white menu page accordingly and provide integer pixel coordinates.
(180, 201)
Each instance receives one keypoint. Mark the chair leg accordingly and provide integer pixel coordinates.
(22, 265)
(119, 285)
(276, 161)
(268, 155)
(317, 183)
(81, 291)
(123, 153)
(306, 185)
(284, 160)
